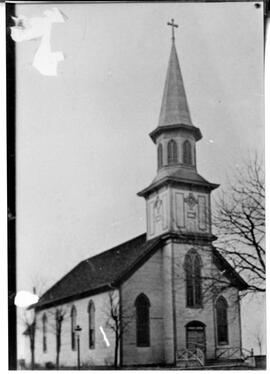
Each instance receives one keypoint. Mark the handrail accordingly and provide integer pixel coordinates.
(191, 355)
(233, 350)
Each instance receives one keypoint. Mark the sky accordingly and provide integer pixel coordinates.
(83, 150)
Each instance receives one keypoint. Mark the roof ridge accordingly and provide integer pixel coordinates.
(114, 248)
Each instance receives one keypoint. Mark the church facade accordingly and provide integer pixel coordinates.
(164, 295)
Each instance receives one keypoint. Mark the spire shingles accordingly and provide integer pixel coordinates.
(174, 107)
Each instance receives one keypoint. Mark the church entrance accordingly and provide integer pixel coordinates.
(195, 336)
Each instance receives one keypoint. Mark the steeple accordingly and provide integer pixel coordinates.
(178, 199)
(174, 107)
(174, 112)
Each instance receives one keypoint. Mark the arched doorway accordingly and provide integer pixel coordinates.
(195, 336)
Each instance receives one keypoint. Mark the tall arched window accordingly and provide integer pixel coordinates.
(187, 156)
(91, 324)
(222, 321)
(160, 156)
(73, 317)
(193, 279)
(44, 333)
(172, 152)
(142, 321)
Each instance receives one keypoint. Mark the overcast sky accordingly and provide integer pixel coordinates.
(83, 150)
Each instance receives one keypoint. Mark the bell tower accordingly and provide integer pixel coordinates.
(178, 199)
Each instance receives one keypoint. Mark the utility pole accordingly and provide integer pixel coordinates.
(78, 329)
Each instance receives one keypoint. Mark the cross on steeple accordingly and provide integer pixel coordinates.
(173, 26)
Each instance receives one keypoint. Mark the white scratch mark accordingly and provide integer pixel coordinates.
(23, 299)
(104, 336)
(45, 61)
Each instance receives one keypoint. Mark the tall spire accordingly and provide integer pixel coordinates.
(174, 107)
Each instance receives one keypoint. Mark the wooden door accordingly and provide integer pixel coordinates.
(195, 336)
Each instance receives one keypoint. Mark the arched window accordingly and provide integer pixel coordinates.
(160, 156)
(172, 152)
(193, 279)
(91, 324)
(187, 156)
(44, 333)
(222, 320)
(73, 317)
(142, 321)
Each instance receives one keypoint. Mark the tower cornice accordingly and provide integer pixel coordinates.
(171, 180)
(189, 238)
(162, 129)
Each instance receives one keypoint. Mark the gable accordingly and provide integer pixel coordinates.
(110, 268)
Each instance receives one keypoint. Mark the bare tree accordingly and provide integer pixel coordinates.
(239, 221)
(259, 339)
(30, 322)
(57, 319)
(30, 332)
(259, 336)
(118, 321)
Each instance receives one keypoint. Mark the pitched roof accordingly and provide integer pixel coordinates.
(108, 269)
(98, 272)
(174, 107)
(174, 112)
(185, 175)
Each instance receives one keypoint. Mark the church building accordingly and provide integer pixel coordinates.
(162, 298)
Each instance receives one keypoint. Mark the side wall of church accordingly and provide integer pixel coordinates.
(234, 325)
(147, 280)
(168, 302)
(162, 273)
(102, 354)
(206, 313)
